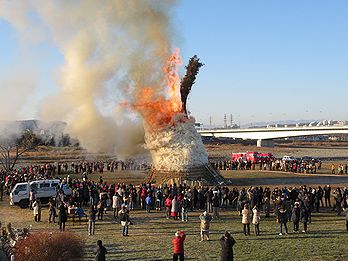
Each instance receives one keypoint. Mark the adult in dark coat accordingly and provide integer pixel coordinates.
(295, 216)
(227, 242)
(282, 220)
(304, 218)
(101, 252)
(62, 217)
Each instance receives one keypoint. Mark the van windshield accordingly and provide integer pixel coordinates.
(21, 188)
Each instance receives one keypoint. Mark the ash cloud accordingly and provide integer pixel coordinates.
(111, 49)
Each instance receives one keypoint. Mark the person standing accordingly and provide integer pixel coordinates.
(256, 220)
(101, 252)
(205, 219)
(62, 217)
(116, 204)
(216, 205)
(37, 210)
(327, 195)
(91, 220)
(178, 243)
(267, 207)
(295, 216)
(32, 198)
(100, 208)
(282, 220)
(304, 218)
(168, 205)
(246, 217)
(227, 242)
(51, 211)
(184, 204)
(124, 219)
(175, 208)
(148, 202)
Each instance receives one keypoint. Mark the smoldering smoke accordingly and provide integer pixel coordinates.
(111, 49)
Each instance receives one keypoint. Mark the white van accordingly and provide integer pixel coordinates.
(45, 189)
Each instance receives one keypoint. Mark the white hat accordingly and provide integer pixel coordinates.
(205, 213)
(177, 233)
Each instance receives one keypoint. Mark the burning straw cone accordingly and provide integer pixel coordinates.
(178, 154)
(177, 150)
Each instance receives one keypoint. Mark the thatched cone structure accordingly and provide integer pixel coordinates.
(199, 175)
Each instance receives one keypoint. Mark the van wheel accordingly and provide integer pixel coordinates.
(24, 203)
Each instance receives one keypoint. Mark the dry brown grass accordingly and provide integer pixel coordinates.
(50, 246)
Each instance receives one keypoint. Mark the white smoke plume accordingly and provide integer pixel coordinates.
(108, 46)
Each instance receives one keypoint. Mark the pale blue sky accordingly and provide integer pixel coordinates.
(264, 60)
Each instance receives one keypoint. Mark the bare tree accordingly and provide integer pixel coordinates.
(13, 146)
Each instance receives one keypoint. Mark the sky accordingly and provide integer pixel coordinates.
(264, 60)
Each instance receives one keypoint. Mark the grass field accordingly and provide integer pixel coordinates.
(150, 236)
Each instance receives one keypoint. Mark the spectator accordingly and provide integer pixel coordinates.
(168, 205)
(246, 216)
(256, 220)
(101, 252)
(227, 242)
(184, 203)
(282, 220)
(175, 208)
(32, 198)
(304, 218)
(205, 219)
(91, 220)
(216, 204)
(116, 204)
(178, 243)
(125, 220)
(37, 210)
(148, 201)
(62, 217)
(51, 211)
(100, 210)
(295, 216)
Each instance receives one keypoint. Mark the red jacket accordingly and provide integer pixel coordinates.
(179, 243)
(168, 202)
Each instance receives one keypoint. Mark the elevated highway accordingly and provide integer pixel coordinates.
(271, 133)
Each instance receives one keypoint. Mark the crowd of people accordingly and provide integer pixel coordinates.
(178, 200)
(94, 199)
(293, 204)
(50, 170)
(295, 166)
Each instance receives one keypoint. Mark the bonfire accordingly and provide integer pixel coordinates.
(176, 148)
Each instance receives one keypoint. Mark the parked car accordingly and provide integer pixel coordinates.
(309, 159)
(288, 158)
(45, 189)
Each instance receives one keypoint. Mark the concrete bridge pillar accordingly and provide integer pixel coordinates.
(265, 143)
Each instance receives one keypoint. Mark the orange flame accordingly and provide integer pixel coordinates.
(159, 109)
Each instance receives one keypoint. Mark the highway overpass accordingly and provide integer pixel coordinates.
(264, 134)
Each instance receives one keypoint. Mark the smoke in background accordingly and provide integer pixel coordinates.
(111, 49)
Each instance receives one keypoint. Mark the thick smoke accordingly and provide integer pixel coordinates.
(111, 49)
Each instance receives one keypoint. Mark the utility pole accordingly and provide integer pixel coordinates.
(231, 120)
(210, 122)
(225, 121)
